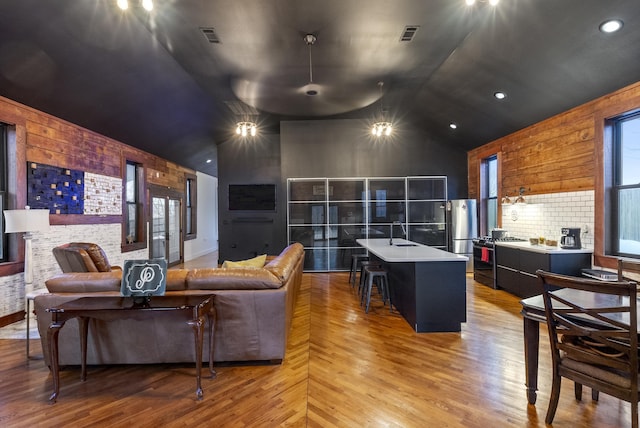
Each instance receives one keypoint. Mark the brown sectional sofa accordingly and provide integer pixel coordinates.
(254, 308)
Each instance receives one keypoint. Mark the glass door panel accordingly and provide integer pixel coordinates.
(158, 230)
(173, 225)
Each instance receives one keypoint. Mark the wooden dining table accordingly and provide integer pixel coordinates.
(533, 314)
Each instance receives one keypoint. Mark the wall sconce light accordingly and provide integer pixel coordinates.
(26, 221)
(520, 199)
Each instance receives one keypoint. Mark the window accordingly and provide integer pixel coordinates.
(4, 253)
(625, 198)
(134, 230)
(489, 194)
(190, 207)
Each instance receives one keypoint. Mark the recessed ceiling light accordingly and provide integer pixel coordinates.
(208, 160)
(500, 95)
(453, 125)
(611, 26)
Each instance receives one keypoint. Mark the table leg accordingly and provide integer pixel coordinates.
(531, 349)
(52, 341)
(212, 323)
(198, 333)
(28, 308)
(83, 323)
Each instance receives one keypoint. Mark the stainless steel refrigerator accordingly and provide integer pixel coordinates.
(462, 227)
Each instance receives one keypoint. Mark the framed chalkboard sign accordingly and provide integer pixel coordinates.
(144, 278)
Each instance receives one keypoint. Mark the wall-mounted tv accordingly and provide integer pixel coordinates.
(252, 197)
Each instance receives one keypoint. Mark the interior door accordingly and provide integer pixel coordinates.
(166, 229)
(158, 229)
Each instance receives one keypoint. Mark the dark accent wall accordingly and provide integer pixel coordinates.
(245, 234)
(320, 148)
(345, 148)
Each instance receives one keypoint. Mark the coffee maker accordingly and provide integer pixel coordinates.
(570, 239)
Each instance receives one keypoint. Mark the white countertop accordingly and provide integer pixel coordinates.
(526, 245)
(416, 253)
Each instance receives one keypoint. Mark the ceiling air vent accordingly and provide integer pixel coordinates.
(409, 32)
(210, 34)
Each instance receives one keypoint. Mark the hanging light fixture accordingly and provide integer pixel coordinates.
(146, 4)
(246, 128)
(382, 127)
(506, 200)
(491, 2)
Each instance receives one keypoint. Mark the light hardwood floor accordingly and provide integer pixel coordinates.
(342, 368)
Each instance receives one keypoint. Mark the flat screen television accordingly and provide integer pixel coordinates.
(252, 197)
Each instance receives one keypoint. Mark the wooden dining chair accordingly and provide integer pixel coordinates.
(626, 266)
(593, 337)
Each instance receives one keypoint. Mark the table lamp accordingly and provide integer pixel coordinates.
(26, 221)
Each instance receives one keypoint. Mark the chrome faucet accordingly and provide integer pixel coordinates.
(404, 232)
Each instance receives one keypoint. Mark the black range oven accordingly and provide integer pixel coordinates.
(484, 267)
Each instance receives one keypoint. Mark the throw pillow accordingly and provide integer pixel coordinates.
(256, 262)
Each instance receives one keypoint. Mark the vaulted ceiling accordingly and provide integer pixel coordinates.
(174, 81)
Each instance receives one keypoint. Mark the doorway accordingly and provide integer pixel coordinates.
(166, 226)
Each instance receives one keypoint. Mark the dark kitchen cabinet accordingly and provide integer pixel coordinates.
(516, 266)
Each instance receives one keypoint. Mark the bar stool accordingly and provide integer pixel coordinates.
(380, 274)
(363, 276)
(356, 259)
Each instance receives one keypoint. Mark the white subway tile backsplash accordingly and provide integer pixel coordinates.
(545, 215)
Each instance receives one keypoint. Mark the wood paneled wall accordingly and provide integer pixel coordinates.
(43, 138)
(561, 154)
(557, 154)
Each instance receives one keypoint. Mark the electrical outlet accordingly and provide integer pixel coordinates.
(586, 228)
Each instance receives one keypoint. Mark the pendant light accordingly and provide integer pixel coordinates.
(246, 128)
(382, 127)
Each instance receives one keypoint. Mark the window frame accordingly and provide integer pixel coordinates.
(5, 250)
(16, 181)
(482, 189)
(190, 204)
(615, 178)
(141, 206)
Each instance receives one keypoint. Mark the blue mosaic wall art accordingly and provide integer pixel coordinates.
(60, 190)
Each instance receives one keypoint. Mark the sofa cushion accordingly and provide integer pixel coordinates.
(256, 262)
(83, 282)
(232, 279)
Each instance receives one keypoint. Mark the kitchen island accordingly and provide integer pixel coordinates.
(428, 285)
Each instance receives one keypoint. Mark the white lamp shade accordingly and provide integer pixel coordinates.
(26, 220)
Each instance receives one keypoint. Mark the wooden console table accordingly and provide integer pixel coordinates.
(195, 308)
